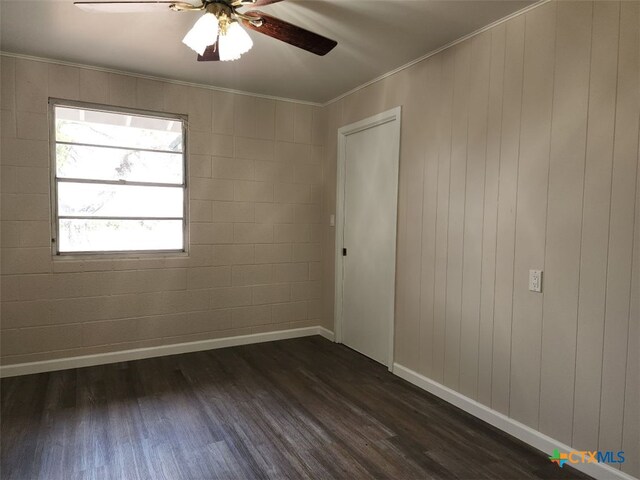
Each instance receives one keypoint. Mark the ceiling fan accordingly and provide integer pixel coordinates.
(217, 35)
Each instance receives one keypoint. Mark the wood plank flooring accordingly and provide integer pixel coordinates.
(294, 409)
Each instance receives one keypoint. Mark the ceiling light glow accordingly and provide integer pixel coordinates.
(202, 34)
(234, 43)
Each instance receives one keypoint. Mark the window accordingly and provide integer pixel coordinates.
(118, 180)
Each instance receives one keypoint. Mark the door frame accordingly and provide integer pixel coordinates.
(392, 115)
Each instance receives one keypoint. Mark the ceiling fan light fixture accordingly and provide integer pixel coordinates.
(203, 33)
(220, 19)
(235, 42)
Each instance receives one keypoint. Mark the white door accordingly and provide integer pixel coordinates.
(369, 210)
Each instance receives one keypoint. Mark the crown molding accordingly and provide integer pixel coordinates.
(54, 61)
(270, 97)
(438, 50)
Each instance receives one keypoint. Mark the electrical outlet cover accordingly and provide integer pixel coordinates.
(535, 281)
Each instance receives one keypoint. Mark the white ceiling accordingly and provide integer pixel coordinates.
(374, 37)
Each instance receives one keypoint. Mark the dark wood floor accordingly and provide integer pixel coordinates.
(303, 408)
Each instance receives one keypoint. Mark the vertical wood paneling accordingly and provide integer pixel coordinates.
(625, 164)
(442, 216)
(402, 330)
(412, 158)
(429, 214)
(564, 218)
(595, 223)
(537, 94)
(474, 206)
(459, 133)
(516, 131)
(507, 196)
(631, 424)
(490, 220)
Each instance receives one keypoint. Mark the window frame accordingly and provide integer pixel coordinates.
(55, 223)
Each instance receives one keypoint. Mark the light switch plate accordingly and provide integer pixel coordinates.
(535, 281)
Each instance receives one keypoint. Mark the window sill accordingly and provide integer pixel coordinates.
(62, 257)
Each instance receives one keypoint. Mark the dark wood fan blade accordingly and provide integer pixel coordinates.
(211, 54)
(293, 35)
(130, 7)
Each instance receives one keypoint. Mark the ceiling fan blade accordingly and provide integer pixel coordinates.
(211, 54)
(296, 36)
(131, 7)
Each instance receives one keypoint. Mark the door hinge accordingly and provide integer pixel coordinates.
(344, 252)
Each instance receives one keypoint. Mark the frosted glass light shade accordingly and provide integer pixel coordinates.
(202, 34)
(236, 42)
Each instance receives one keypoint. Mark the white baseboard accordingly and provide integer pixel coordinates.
(326, 333)
(514, 428)
(159, 351)
(524, 433)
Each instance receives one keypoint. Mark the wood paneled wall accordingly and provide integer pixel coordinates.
(520, 151)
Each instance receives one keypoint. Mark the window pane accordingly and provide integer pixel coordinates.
(98, 200)
(117, 129)
(119, 235)
(102, 163)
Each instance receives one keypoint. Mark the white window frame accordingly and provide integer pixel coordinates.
(183, 119)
